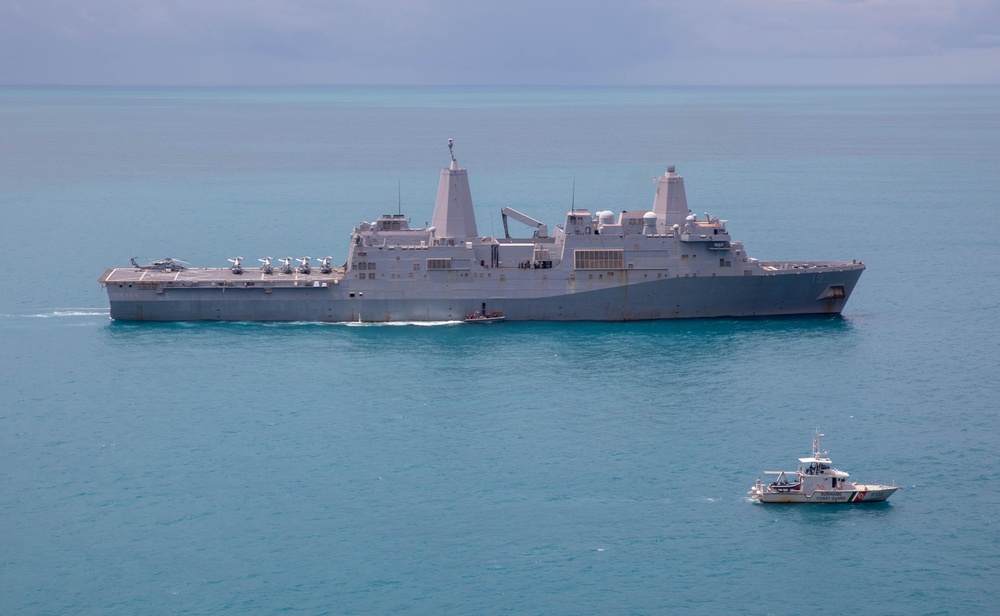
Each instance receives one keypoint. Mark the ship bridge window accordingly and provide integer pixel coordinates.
(599, 259)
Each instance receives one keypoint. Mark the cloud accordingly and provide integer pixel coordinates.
(835, 28)
(225, 42)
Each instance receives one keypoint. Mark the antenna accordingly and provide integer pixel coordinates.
(451, 145)
(572, 203)
(399, 197)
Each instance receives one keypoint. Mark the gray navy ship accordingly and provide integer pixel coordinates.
(661, 263)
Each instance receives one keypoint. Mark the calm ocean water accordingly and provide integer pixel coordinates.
(528, 468)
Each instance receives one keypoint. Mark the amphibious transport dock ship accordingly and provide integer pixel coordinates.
(661, 263)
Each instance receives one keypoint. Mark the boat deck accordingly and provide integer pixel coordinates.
(220, 276)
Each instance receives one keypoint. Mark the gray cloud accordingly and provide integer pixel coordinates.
(491, 41)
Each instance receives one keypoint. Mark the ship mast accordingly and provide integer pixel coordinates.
(454, 217)
(816, 451)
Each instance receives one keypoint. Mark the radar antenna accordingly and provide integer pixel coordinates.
(817, 452)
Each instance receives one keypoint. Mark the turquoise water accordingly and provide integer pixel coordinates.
(525, 468)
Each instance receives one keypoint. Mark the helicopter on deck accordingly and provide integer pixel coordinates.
(162, 265)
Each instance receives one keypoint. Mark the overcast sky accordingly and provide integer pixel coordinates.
(655, 42)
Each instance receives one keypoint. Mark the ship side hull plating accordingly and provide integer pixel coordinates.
(598, 296)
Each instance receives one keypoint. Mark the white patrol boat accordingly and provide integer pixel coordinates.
(816, 481)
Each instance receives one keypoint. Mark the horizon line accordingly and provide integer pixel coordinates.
(492, 85)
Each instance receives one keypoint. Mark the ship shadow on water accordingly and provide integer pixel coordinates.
(792, 326)
(796, 322)
(824, 514)
(692, 335)
(689, 350)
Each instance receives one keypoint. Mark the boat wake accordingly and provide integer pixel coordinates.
(80, 312)
(343, 323)
(399, 323)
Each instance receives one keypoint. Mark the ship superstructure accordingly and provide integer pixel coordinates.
(659, 263)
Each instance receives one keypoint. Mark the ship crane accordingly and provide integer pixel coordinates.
(541, 230)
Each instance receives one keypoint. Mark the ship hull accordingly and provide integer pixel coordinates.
(862, 494)
(520, 295)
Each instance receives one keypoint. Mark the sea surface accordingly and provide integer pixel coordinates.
(523, 468)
